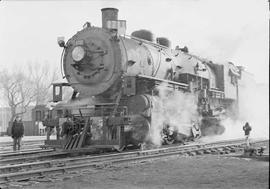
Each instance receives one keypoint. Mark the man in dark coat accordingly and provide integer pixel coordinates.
(247, 129)
(17, 131)
(67, 128)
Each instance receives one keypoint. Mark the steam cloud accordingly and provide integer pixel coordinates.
(177, 109)
(253, 108)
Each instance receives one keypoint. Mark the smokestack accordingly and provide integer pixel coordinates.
(108, 14)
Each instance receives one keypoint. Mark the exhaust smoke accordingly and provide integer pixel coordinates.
(254, 109)
(174, 108)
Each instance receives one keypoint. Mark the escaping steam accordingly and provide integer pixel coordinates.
(254, 109)
(176, 109)
(179, 110)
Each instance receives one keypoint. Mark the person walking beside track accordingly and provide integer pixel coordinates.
(17, 131)
(247, 129)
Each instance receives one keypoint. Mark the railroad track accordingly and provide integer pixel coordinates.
(24, 147)
(21, 156)
(38, 155)
(26, 142)
(7, 146)
(28, 171)
(22, 152)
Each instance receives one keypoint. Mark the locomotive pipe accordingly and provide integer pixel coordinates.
(108, 14)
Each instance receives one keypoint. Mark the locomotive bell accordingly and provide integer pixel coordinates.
(86, 25)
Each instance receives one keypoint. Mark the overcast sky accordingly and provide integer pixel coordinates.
(232, 30)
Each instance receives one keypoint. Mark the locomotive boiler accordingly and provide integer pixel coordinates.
(115, 78)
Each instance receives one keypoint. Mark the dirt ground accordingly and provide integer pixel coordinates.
(208, 171)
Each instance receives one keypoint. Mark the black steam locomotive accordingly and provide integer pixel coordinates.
(117, 79)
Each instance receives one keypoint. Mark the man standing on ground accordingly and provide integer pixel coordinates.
(67, 128)
(17, 131)
(247, 129)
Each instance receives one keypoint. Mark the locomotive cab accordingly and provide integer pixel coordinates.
(58, 91)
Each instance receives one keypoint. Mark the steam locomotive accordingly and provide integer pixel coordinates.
(116, 79)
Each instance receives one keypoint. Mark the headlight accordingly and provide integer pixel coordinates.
(78, 53)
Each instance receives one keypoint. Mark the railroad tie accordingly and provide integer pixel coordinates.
(180, 153)
(199, 152)
(233, 150)
(220, 150)
(214, 151)
(227, 148)
(207, 151)
(191, 153)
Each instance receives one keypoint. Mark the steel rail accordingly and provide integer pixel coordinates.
(23, 142)
(32, 157)
(8, 149)
(24, 152)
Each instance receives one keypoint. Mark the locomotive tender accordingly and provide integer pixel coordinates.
(115, 78)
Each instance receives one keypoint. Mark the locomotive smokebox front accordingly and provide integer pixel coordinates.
(92, 61)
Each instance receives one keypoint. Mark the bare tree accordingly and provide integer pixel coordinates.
(25, 87)
(18, 91)
(42, 77)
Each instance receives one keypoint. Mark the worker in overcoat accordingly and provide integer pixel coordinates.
(17, 132)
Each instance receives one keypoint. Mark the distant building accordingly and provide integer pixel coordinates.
(4, 119)
(5, 116)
